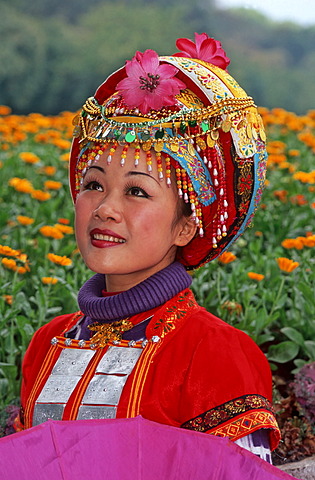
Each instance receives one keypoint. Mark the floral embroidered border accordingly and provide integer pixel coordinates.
(237, 418)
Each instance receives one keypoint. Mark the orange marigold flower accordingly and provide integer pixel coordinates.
(29, 157)
(64, 261)
(23, 220)
(281, 195)
(9, 263)
(64, 228)
(49, 170)
(49, 231)
(64, 221)
(298, 199)
(309, 241)
(49, 280)
(287, 265)
(61, 143)
(21, 185)
(305, 177)
(8, 299)
(40, 195)
(293, 243)
(4, 110)
(256, 276)
(22, 270)
(294, 152)
(227, 257)
(64, 157)
(52, 185)
(258, 233)
(8, 251)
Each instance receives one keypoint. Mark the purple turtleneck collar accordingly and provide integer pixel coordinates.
(152, 292)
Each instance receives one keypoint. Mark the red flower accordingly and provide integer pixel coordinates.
(205, 48)
(148, 84)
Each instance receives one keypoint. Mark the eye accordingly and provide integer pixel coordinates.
(92, 185)
(137, 192)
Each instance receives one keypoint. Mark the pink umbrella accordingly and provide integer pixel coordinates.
(122, 449)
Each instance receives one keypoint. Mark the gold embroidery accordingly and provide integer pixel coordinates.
(108, 332)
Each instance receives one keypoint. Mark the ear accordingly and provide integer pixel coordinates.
(186, 232)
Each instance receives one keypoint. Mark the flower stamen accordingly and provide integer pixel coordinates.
(150, 82)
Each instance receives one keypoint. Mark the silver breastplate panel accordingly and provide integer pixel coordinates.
(102, 395)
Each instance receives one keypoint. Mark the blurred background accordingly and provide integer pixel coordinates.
(54, 53)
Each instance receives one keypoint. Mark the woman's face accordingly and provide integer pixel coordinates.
(125, 224)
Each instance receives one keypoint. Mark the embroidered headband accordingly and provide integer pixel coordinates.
(193, 114)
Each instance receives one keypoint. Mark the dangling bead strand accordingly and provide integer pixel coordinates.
(124, 155)
(137, 156)
(178, 180)
(168, 171)
(185, 185)
(159, 165)
(149, 161)
(111, 153)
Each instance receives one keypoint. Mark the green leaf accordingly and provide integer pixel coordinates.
(283, 352)
(293, 335)
(310, 348)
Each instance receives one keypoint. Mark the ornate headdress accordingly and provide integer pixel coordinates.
(188, 110)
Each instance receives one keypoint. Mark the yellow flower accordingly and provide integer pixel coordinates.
(40, 195)
(25, 220)
(29, 157)
(21, 185)
(64, 261)
(49, 231)
(287, 265)
(52, 185)
(64, 228)
(227, 257)
(256, 276)
(49, 280)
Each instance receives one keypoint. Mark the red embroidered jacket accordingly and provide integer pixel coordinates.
(195, 372)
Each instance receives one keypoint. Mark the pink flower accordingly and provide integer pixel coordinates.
(206, 49)
(148, 84)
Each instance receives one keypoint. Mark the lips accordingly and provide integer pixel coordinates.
(104, 238)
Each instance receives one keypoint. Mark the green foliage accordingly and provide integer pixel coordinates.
(56, 53)
(278, 311)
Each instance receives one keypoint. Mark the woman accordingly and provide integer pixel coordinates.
(167, 168)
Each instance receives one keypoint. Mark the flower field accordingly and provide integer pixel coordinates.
(265, 285)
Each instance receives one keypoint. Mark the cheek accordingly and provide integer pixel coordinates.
(82, 209)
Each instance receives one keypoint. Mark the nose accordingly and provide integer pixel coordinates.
(108, 209)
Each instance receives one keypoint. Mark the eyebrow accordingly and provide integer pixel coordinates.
(131, 173)
(97, 168)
